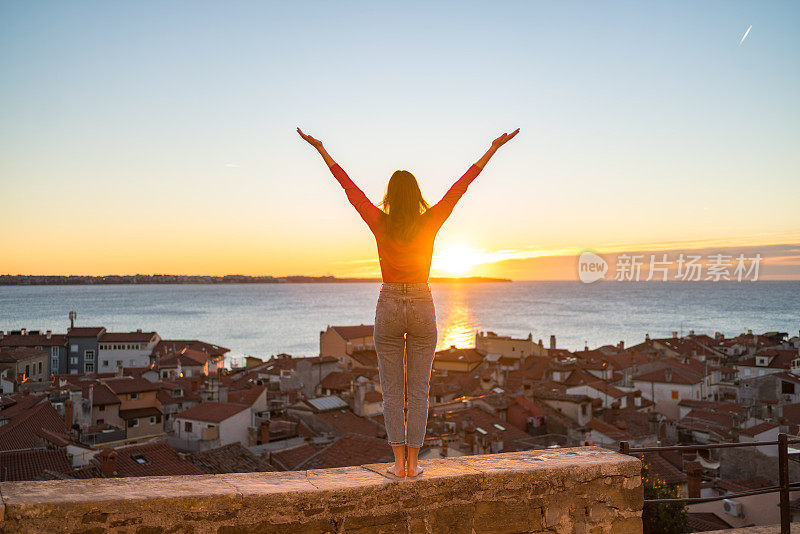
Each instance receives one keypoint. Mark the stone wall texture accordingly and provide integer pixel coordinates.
(584, 490)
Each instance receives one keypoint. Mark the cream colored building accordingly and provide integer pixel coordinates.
(491, 343)
(340, 341)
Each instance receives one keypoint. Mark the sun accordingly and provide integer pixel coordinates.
(457, 261)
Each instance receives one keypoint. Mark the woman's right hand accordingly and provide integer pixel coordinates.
(316, 143)
(503, 139)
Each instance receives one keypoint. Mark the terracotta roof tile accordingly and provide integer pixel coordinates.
(29, 464)
(353, 332)
(19, 432)
(350, 449)
(230, 458)
(212, 412)
(127, 337)
(86, 331)
(149, 459)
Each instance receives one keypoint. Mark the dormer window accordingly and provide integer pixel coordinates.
(762, 361)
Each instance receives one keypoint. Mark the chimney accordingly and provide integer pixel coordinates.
(691, 332)
(68, 413)
(637, 398)
(621, 346)
(23, 331)
(553, 341)
(138, 330)
(668, 374)
(49, 334)
(119, 371)
(1, 334)
(749, 332)
(647, 338)
(265, 431)
(674, 334)
(108, 462)
(693, 475)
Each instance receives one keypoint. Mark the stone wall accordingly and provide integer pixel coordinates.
(577, 490)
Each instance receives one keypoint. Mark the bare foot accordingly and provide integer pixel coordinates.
(393, 470)
(417, 471)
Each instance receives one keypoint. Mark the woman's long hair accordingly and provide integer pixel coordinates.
(404, 205)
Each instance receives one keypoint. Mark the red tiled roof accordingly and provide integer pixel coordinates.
(19, 432)
(127, 337)
(346, 422)
(21, 403)
(101, 395)
(136, 413)
(125, 385)
(509, 433)
(29, 464)
(150, 459)
(664, 470)
(350, 449)
(736, 485)
(365, 357)
(706, 521)
(212, 412)
(246, 396)
(15, 354)
(468, 355)
(166, 346)
(33, 340)
(759, 428)
(353, 332)
(187, 358)
(86, 331)
(289, 459)
(678, 376)
(608, 430)
(230, 458)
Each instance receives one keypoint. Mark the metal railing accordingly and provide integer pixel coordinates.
(783, 487)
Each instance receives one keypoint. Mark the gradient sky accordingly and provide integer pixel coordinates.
(153, 137)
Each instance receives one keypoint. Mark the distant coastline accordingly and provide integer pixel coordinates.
(136, 279)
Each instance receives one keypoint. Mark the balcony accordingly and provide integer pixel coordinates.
(584, 489)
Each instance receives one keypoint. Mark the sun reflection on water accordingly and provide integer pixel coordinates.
(459, 324)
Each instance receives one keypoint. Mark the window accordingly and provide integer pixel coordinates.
(73, 360)
(100, 421)
(133, 423)
(27, 370)
(139, 458)
(787, 388)
(54, 365)
(40, 367)
(101, 408)
(675, 394)
(54, 352)
(187, 426)
(88, 355)
(89, 367)
(119, 362)
(697, 394)
(74, 348)
(105, 363)
(134, 396)
(152, 419)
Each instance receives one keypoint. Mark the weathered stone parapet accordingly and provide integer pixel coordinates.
(578, 490)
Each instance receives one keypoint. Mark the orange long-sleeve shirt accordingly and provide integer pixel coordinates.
(405, 262)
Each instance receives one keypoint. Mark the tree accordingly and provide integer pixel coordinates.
(670, 518)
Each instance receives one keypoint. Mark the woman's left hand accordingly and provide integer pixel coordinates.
(316, 143)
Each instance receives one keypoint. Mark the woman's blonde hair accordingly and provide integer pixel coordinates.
(404, 205)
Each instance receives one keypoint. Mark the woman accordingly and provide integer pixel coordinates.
(405, 319)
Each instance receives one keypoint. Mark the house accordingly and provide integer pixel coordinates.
(209, 425)
(139, 406)
(55, 344)
(762, 432)
(104, 405)
(340, 341)
(83, 344)
(25, 363)
(347, 450)
(597, 389)
(455, 359)
(127, 349)
(143, 460)
(20, 429)
(183, 364)
(507, 346)
(667, 386)
(215, 354)
(577, 408)
(768, 361)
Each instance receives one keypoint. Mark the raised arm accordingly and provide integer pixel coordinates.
(442, 209)
(366, 209)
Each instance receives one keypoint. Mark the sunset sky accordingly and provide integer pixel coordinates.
(153, 137)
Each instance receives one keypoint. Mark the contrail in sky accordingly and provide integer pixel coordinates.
(745, 34)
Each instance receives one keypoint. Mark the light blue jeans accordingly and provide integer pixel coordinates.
(405, 341)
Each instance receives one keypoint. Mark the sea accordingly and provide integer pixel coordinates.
(267, 319)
